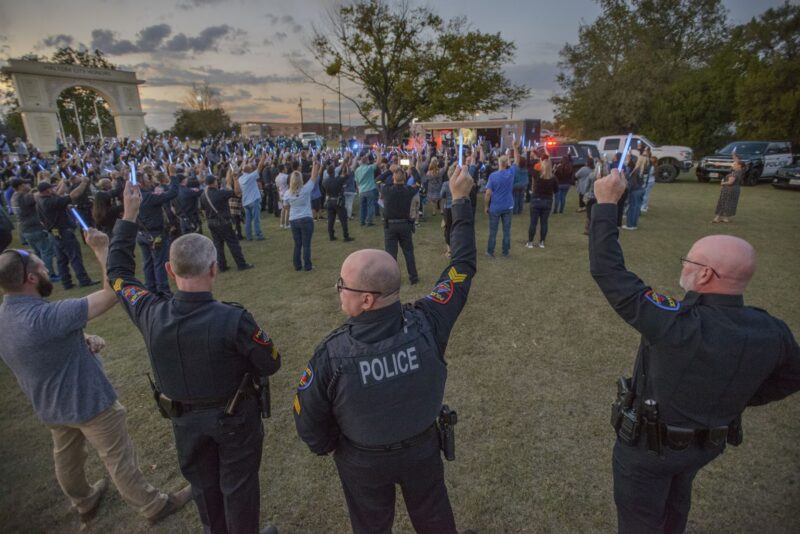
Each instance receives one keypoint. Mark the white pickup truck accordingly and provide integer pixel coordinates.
(671, 159)
(312, 138)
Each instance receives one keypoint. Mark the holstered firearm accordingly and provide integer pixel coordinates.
(243, 389)
(264, 400)
(166, 406)
(624, 417)
(735, 432)
(447, 438)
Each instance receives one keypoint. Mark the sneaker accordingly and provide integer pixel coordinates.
(541, 244)
(98, 490)
(626, 227)
(490, 256)
(175, 502)
(528, 245)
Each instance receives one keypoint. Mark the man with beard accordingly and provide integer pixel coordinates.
(701, 361)
(59, 370)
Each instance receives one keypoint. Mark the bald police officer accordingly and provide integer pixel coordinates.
(374, 387)
(701, 361)
(205, 356)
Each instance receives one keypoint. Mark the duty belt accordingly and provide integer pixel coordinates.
(398, 221)
(678, 438)
(404, 444)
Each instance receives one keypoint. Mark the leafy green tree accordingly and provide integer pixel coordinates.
(196, 124)
(408, 63)
(768, 93)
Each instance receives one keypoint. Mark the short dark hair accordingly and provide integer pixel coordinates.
(11, 271)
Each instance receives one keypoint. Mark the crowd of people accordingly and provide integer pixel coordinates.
(372, 393)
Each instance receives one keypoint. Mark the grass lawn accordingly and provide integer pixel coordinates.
(532, 365)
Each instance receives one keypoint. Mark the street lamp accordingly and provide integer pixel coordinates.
(71, 104)
(97, 116)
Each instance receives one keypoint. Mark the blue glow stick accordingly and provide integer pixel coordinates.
(132, 165)
(625, 152)
(80, 220)
(169, 155)
(460, 148)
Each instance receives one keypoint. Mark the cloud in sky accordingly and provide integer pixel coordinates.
(58, 41)
(155, 39)
(286, 21)
(186, 5)
(164, 74)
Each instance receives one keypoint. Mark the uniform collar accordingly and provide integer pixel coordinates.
(713, 299)
(193, 296)
(375, 316)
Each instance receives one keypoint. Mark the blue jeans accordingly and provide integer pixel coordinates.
(494, 219)
(42, 244)
(561, 198)
(302, 230)
(252, 216)
(367, 211)
(634, 207)
(155, 274)
(648, 188)
(68, 252)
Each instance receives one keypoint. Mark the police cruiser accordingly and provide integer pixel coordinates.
(762, 159)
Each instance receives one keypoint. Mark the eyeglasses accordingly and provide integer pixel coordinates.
(24, 257)
(340, 287)
(684, 260)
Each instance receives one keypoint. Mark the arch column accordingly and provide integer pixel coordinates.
(129, 125)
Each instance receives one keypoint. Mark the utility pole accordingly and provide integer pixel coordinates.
(512, 112)
(323, 117)
(300, 105)
(341, 135)
(77, 119)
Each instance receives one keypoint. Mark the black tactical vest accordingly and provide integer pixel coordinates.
(386, 392)
(193, 355)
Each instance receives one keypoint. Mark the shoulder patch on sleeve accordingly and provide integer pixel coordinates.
(662, 301)
(442, 293)
(306, 378)
(262, 338)
(133, 294)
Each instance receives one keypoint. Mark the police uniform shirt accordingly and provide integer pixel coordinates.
(375, 392)
(397, 201)
(187, 201)
(199, 348)
(53, 210)
(151, 216)
(704, 358)
(219, 199)
(333, 184)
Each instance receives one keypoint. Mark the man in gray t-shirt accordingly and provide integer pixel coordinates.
(58, 368)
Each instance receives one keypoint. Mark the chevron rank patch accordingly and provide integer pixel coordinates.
(662, 301)
(296, 404)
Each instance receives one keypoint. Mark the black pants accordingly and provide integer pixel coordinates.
(369, 479)
(271, 200)
(222, 233)
(654, 494)
(395, 233)
(220, 456)
(68, 252)
(5, 239)
(341, 212)
(540, 211)
(621, 207)
(448, 224)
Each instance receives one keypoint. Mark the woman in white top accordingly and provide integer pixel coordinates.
(282, 183)
(298, 196)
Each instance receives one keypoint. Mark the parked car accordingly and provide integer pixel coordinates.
(579, 152)
(762, 160)
(787, 177)
(672, 159)
(311, 140)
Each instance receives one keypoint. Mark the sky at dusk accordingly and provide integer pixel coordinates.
(245, 48)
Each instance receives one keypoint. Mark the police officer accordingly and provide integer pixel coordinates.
(152, 237)
(374, 387)
(206, 356)
(398, 226)
(333, 184)
(52, 206)
(701, 361)
(214, 202)
(186, 205)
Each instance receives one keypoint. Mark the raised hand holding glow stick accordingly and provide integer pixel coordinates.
(84, 226)
(625, 151)
(460, 148)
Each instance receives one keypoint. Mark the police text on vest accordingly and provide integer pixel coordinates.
(376, 370)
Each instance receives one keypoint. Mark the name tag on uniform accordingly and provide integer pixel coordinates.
(382, 368)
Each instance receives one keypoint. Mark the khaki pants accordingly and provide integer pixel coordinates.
(108, 435)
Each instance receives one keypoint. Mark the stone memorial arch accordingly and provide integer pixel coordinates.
(38, 85)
